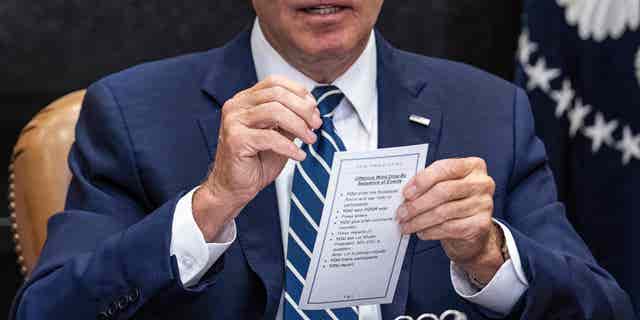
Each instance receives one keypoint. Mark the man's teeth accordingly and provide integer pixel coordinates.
(323, 10)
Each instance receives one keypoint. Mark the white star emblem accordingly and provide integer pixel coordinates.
(539, 75)
(525, 47)
(601, 19)
(629, 146)
(577, 116)
(563, 98)
(600, 132)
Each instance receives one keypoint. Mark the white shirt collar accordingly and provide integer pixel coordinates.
(358, 83)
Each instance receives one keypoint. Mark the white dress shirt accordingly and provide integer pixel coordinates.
(356, 122)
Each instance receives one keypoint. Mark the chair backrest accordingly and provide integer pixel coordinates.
(39, 175)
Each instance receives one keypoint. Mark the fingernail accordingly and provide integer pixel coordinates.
(410, 192)
(403, 228)
(312, 136)
(301, 155)
(317, 121)
(402, 212)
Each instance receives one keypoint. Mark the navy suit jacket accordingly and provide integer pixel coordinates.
(148, 134)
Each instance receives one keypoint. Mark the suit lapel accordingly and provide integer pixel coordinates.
(402, 93)
(258, 224)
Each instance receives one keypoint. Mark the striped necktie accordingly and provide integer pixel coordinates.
(310, 180)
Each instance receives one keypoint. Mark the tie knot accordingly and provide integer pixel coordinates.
(328, 98)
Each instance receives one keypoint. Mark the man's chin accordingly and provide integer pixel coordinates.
(329, 47)
(327, 53)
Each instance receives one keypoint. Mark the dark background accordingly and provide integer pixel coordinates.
(49, 48)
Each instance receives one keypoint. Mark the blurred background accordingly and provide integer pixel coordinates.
(50, 48)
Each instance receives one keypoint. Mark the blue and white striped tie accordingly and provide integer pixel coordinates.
(310, 181)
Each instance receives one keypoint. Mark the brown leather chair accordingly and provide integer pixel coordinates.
(39, 175)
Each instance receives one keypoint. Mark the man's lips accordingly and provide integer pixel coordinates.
(324, 9)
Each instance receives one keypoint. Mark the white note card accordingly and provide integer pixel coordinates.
(359, 249)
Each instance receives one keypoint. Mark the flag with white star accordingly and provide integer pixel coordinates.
(581, 70)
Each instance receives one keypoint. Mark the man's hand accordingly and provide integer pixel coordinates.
(452, 201)
(258, 126)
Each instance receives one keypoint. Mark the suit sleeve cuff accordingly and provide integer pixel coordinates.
(193, 254)
(506, 287)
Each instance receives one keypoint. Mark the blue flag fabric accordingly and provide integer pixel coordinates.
(579, 61)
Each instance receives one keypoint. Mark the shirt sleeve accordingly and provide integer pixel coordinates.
(506, 287)
(194, 255)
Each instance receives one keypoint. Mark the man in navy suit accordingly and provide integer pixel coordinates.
(184, 183)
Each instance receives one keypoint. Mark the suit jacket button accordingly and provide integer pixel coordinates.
(103, 316)
(134, 295)
(122, 302)
(112, 310)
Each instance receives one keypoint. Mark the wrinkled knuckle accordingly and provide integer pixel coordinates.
(440, 213)
(264, 95)
(479, 185)
(240, 95)
(412, 210)
(439, 163)
(477, 162)
(247, 113)
(269, 94)
(490, 185)
(474, 161)
(471, 185)
(444, 191)
(483, 186)
(457, 168)
(437, 192)
(442, 167)
(229, 104)
(486, 201)
(278, 93)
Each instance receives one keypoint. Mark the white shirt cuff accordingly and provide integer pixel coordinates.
(503, 291)
(194, 255)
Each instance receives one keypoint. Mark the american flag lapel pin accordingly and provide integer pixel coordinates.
(420, 120)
